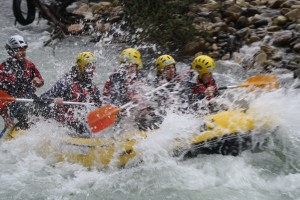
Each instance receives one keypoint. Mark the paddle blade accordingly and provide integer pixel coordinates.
(102, 118)
(262, 81)
(5, 99)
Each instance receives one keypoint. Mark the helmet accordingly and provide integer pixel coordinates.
(163, 61)
(84, 58)
(203, 64)
(131, 56)
(16, 41)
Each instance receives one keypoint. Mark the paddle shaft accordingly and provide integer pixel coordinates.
(64, 102)
(228, 87)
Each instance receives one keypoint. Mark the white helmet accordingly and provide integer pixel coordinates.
(16, 41)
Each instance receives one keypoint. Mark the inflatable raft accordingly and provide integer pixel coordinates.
(227, 133)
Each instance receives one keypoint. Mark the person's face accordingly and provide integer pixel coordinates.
(169, 72)
(89, 70)
(20, 53)
(206, 77)
(132, 68)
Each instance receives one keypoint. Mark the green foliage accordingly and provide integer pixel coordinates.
(164, 22)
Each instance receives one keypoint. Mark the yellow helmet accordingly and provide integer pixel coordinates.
(163, 61)
(203, 64)
(84, 58)
(131, 56)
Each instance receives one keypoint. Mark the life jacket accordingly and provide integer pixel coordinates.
(16, 78)
(199, 88)
(118, 90)
(78, 93)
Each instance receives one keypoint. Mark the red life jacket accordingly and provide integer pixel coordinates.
(200, 87)
(79, 94)
(117, 89)
(16, 79)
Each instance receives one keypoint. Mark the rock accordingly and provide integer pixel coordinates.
(115, 19)
(261, 33)
(268, 49)
(260, 23)
(230, 16)
(243, 33)
(276, 4)
(296, 47)
(295, 40)
(260, 57)
(83, 10)
(194, 47)
(214, 54)
(297, 27)
(254, 38)
(248, 12)
(283, 11)
(234, 9)
(242, 22)
(277, 57)
(226, 57)
(293, 15)
(279, 21)
(101, 7)
(282, 38)
(254, 19)
(75, 28)
(289, 3)
(274, 28)
(103, 27)
(214, 47)
(297, 73)
(242, 3)
(118, 10)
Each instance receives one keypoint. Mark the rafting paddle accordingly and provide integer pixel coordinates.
(106, 115)
(5, 98)
(268, 81)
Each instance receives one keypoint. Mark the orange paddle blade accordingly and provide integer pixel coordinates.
(262, 81)
(5, 99)
(102, 118)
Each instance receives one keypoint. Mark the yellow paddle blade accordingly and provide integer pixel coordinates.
(102, 118)
(268, 81)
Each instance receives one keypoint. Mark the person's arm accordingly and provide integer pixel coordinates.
(97, 96)
(56, 91)
(216, 93)
(37, 80)
(106, 88)
(8, 122)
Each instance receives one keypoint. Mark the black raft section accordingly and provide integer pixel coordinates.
(233, 144)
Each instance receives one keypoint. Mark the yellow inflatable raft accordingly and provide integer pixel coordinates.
(227, 133)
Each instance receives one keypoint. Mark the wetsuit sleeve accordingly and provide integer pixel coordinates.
(97, 97)
(3, 109)
(106, 88)
(217, 92)
(58, 90)
(36, 72)
(3, 77)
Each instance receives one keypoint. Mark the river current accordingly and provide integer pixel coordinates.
(273, 173)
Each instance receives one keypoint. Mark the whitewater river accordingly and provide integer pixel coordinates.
(272, 174)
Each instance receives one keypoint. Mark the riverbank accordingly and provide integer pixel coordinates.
(192, 27)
